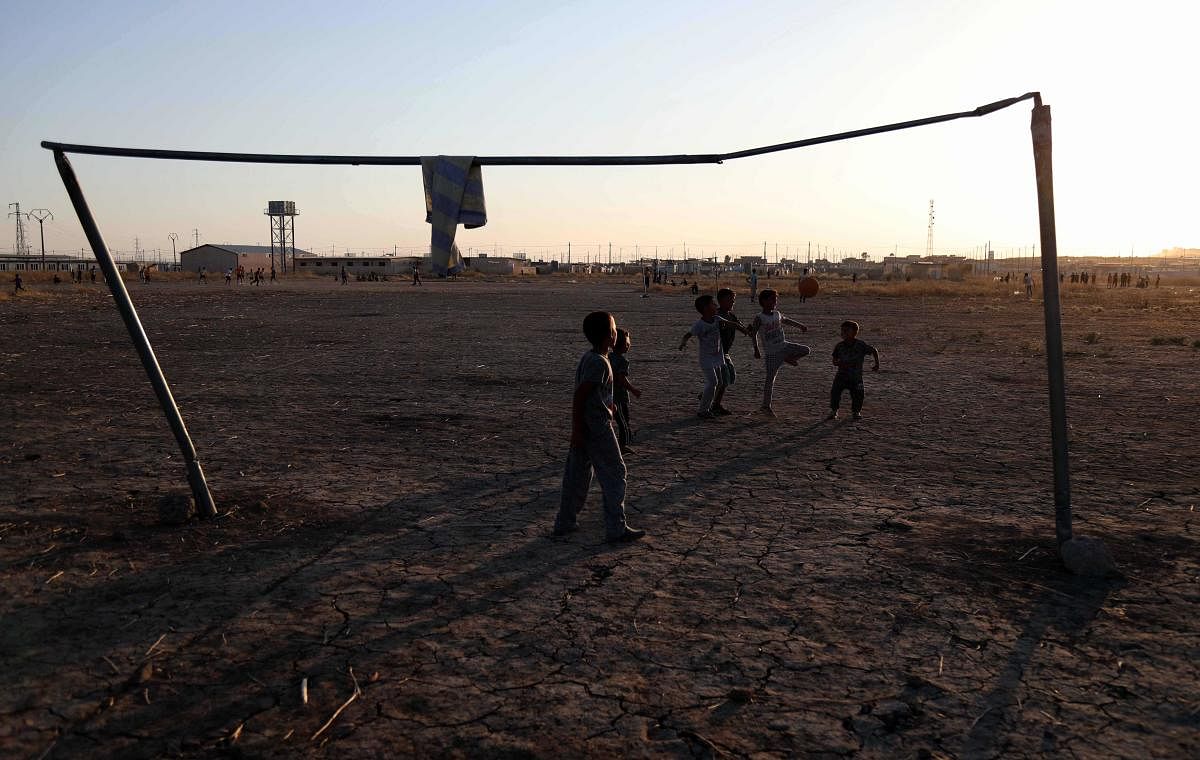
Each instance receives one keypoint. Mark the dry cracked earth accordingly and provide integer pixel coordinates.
(387, 461)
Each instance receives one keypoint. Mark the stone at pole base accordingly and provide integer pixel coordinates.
(176, 508)
(1088, 557)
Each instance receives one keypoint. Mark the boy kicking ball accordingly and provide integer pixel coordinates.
(848, 357)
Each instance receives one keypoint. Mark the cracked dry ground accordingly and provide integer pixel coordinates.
(387, 460)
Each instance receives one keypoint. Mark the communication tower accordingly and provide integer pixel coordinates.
(283, 232)
(929, 235)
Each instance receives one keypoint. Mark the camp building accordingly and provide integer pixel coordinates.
(218, 258)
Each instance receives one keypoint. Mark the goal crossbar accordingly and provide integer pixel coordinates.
(682, 158)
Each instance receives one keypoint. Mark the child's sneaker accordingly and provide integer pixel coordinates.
(721, 411)
(564, 530)
(768, 411)
(833, 415)
(706, 415)
(856, 416)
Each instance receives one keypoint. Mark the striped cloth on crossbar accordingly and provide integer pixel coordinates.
(453, 196)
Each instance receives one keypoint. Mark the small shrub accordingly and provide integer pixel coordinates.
(1174, 340)
(1091, 338)
(1031, 347)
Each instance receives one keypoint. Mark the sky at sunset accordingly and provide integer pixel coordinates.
(570, 78)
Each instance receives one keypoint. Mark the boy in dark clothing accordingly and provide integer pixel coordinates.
(593, 441)
(622, 388)
(729, 329)
(848, 357)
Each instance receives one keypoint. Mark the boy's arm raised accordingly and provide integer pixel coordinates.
(735, 324)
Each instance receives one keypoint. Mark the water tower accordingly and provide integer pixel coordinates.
(283, 232)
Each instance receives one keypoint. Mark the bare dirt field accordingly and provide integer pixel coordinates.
(387, 462)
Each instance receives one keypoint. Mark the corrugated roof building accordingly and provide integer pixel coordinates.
(218, 258)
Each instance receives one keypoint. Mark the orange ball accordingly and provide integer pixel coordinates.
(808, 287)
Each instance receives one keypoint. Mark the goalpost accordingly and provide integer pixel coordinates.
(1043, 165)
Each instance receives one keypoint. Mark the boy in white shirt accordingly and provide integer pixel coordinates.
(707, 330)
(770, 325)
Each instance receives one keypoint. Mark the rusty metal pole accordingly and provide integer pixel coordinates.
(1043, 166)
(195, 475)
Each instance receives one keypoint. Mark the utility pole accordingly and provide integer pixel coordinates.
(41, 215)
(173, 236)
(22, 246)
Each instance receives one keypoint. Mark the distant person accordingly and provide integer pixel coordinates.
(416, 272)
(272, 274)
(854, 278)
(57, 279)
(769, 324)
(18, 286)
(1028, 286)
(240, 273)
(1157, 280)
(753, 284)
(229, 275)
(203, 275)
(646, 282)
(594, 444)
(93, 274)
(695, 288)
(344, 278)
(622, 388)
(707, 331)
(848, 357)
